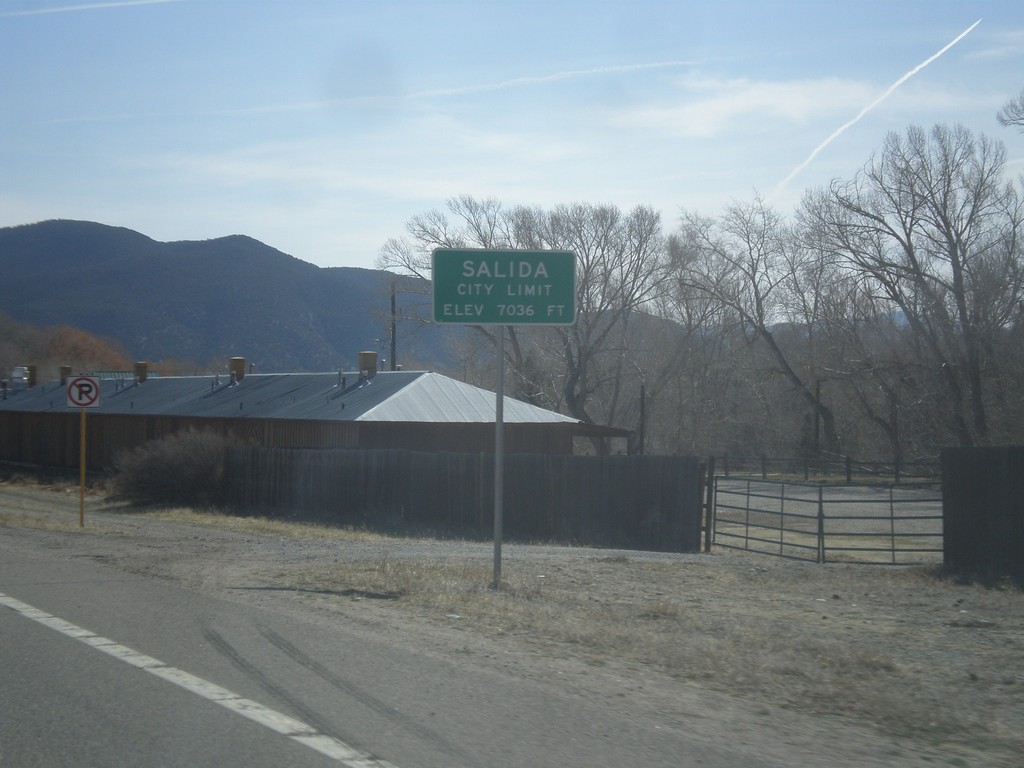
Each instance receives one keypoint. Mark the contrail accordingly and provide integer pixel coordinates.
(516, 82)
(841, 129)
(86, 7)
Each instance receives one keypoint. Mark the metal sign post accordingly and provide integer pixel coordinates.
(499, 458)
(503, 288)
(83, 392)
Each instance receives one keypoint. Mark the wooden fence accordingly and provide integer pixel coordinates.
(983, 507)
(632, 502)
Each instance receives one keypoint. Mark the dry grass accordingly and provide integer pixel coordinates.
(46, 524)
(900, 648)
(265, 526)
(42, 516)
(32, 515)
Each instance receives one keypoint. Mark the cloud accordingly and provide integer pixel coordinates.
(360, 100)
(431, 160)
(554, 77)
(86, 7)
(1005, 44)
(726, 106)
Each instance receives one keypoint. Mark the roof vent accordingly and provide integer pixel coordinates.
(368, 364)
(22, 378)
(65, 372)
(236, 365)
(141, 371)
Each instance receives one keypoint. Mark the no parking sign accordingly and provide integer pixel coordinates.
(83, 392)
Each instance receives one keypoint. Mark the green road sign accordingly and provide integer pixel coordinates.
(491, 287)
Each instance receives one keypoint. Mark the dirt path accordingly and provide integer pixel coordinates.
(806, 664)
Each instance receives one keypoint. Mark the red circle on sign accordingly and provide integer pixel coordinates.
(83, 391)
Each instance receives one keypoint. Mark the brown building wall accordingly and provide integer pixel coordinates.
(53, 439)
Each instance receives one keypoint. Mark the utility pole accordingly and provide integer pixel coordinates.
(643, 418)
(394, 328)
(817, 417)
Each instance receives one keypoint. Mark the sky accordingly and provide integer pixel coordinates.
(320, 127)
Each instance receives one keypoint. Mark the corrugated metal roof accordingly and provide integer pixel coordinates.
(406, 396)
(433, 397)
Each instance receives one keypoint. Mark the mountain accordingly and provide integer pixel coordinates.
(210, 300)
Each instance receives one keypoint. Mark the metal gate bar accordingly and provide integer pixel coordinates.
(897, 525)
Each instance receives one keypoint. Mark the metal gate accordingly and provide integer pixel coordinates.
(898, 524)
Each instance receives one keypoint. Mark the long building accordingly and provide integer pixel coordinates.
(414, 410)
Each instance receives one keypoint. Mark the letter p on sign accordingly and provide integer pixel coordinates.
(83, 391)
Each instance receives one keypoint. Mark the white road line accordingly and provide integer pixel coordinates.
(294, 729)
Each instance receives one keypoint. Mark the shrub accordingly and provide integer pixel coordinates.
(185, 469)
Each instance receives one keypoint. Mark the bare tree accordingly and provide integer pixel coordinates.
(933, 225)
(1012, 113)
(748, 261)
(617, 273)
(694, 384)
(468, 223)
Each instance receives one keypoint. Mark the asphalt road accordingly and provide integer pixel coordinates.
(102, 667)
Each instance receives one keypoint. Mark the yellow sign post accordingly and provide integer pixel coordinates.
(81, 478)
(83, 392)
